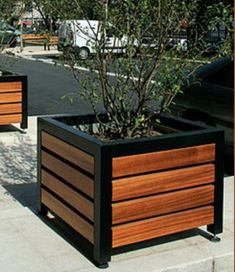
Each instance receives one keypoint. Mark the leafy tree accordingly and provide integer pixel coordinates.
(210, 15)
(153, 69)
(8, 10)
(51, 12)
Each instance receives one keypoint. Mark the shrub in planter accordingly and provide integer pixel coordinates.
(131, 174)
(13, 99)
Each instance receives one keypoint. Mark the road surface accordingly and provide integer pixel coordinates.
(46, 85)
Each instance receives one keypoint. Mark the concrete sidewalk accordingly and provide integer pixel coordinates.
(29, 243)
(32, 50)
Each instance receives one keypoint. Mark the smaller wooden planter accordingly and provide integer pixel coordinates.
(13, 99)
(119, 193)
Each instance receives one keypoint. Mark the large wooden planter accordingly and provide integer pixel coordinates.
(128, 191)
(13, 99)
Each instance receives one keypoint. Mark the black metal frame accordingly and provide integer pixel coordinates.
(11, 77)
(103, 152)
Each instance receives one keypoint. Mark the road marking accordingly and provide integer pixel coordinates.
(97, 72)
(27, 57)
(111, 74)
(52, 62)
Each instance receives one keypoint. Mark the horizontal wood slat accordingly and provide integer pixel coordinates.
(10, 108)
(149, 162)
(163, 225)
(69, 216)
(10, 119)
(147, 184)
(76, 200)
(10, 86)
(10, 97)
(162, 204)
(68, 173)
(68, 152)
(34, 36)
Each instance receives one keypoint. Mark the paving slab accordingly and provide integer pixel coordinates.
(32, 50)
(31, 243)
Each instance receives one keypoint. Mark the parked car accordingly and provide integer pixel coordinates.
(81, 35)
(211, 100)
(8, 34)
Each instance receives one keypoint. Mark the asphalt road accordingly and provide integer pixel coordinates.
(46, 85)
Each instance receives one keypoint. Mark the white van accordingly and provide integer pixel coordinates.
(82, 36)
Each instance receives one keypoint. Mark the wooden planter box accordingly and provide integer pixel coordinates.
(118, 193)
(13, 99)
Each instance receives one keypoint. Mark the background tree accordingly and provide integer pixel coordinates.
(152, 70)
(6, 9)
(9, 11)
(51, 15)
(210, 16)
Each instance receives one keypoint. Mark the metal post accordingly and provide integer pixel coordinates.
(21, 38)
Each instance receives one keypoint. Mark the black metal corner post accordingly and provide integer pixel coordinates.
(103, 209)
(217, 227)
(42, 210)
(24, 123)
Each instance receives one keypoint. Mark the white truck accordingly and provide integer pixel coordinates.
(83, 35)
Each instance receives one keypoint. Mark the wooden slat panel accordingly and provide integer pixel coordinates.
(10, 119)
(34, 36)
(68, 173)
(10, 108)
(75, 199)
(149, 162)
(10, 86)
(10, 97)
(69, 216)
(68, 152)
(163, 225)
(142, 185)
(162, 204)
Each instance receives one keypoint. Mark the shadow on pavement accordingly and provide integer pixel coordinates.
(18, 166)
(9, 128)
(25, 194)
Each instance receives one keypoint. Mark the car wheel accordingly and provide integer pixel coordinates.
(84, 53)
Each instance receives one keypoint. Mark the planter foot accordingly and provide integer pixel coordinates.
(43, 211)
(103, 266)
(23, 131)
(215, 239)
